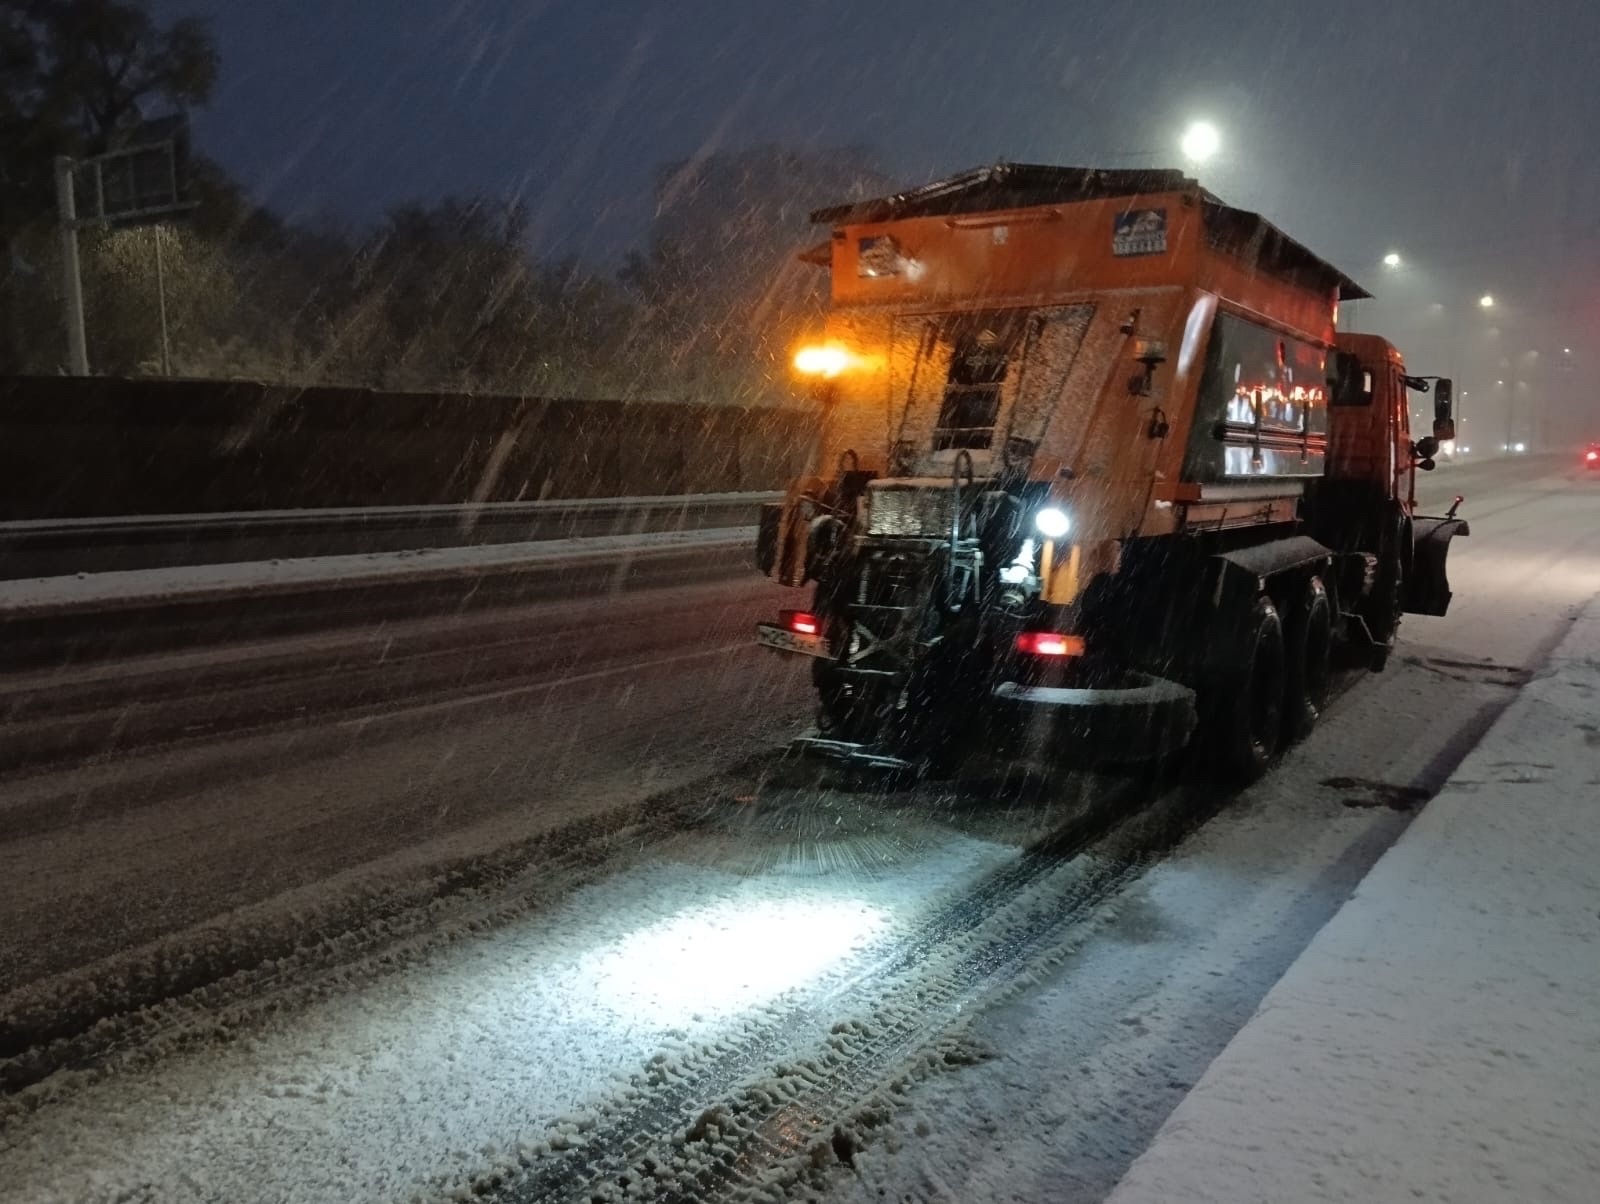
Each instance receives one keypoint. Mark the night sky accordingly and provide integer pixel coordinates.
(1463, 133)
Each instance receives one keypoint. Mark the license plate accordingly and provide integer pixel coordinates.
(784, 640)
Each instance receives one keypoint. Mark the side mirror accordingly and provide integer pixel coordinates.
(1444, 421)
(1426, 448)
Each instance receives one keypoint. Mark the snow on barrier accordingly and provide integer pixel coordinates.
(80, 447)
(1439, 1039)
(65, 547)
(89, 616)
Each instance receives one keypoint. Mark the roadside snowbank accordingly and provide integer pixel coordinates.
(1440, 1038)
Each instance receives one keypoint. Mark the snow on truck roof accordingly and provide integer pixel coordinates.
(1024, 185)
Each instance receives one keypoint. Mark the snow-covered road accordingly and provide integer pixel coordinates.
(485, 926)
(1091, 1064)
(364, 758)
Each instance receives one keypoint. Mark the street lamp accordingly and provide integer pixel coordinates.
(1392, 259)
(1200, 141)
(1487, 301)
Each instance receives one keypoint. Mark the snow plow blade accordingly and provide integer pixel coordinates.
(1428, 590)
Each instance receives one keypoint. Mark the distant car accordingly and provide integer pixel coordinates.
(1591, 457)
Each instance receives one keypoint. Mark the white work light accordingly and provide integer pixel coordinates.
(1053, 523)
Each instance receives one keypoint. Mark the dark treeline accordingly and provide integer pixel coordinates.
(440, 295)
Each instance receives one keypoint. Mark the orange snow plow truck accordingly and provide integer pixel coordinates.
(1101, 478)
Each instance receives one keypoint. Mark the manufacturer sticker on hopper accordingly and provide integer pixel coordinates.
(1140, 232)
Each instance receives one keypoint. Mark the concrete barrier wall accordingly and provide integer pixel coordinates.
(88, 447)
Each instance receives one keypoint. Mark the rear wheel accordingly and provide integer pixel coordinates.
(1247, 703)
(1308, 656)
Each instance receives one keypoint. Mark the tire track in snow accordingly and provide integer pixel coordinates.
(729, 1121)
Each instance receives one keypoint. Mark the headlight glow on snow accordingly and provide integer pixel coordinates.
(1052, 522)
(727, 956)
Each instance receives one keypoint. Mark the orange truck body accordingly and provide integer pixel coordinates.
(1120, 347)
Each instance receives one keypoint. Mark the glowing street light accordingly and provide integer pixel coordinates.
(1392, 259)
(1200, 141)
(1486, 301)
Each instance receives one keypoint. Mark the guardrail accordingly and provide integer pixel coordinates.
(66, 620)
(60, 547)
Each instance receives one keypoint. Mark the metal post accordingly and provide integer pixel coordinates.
(71, 283)
(161, 300)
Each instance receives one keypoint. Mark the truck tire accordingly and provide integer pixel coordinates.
(1389, 593)
(1246, 709)
(1308, 653)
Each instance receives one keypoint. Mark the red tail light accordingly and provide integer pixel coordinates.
(1592, 456)
(799, 622)
(1049, 643)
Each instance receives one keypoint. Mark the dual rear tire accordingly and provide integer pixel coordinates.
(1277, 684)
(1246, 705)
(1309, 660)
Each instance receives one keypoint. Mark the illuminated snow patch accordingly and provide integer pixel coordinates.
(725, 957)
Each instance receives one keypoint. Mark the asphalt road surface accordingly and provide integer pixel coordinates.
(528, 903)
